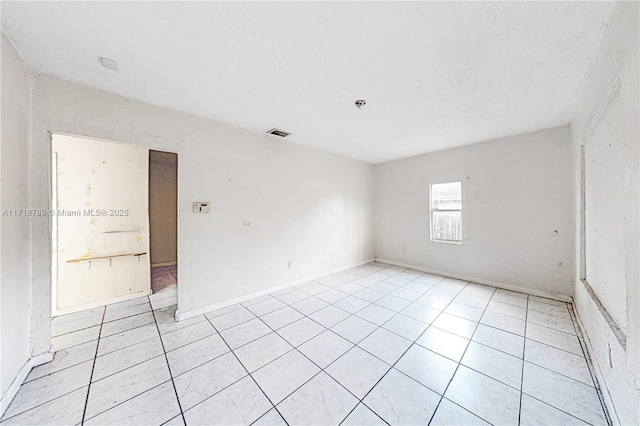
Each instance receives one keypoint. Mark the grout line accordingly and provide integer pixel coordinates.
(524, 356)
(249, 374)
(168, 366)
(330, 288)
(86, 401)
(460, 363)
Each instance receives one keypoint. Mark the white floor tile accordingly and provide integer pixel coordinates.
(186, 335)
(125, 324)
(507, 309)
(495, 364)
(320, 401)
(116, 312)
(385, 345)
(325, 348)
(117, 388)
(329, 316)
(195, 354)
(551, 321)
(332, 295)
(64, 410)
(284, 375)
(485, 397)
(501, 340)
(565, 363)
(126, 338)
(400, 400)
(262, 351)
(352, 304)
(450, 414)
(50, 387)
(300, 331)
(266, 306)
(443, 343)
(434, 302)
(309, 305)
(362, 416)
(558, 339)
(405, 326)
(464, 311)
(354, 329)
(358, 371)
(242, 403)
(292, 296)
(75, 338)
(165, 319)
(375, 314)
(245, 333)
(129, 356)
(272, 418)
(155, 406)
(65, 358)
(208, 379)
(456, 325)
(563, 393)
(421, 313)
(503, 322)
(281, 317)
(393, 303)
(379, 308)
(537, 413)
(231, 319)
(427, 367)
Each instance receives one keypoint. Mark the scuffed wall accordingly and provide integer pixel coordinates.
(606, 129)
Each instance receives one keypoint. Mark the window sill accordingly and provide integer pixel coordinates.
(454, 242)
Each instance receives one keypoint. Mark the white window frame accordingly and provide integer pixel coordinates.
(431, 210)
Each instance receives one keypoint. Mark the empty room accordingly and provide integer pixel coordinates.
(320, 213)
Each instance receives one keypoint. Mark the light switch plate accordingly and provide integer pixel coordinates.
(201, 207)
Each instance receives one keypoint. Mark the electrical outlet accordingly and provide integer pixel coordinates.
(290, 263)
(404, 250)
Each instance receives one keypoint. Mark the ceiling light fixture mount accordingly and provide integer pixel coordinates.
(360, 103)
(109, 64)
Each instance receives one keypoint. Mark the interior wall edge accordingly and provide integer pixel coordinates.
(477, 280)
(199, 311)
(32, 362)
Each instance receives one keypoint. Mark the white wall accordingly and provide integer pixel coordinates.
(302, 204)
(517, 220)
(606, 124)
(15, 270)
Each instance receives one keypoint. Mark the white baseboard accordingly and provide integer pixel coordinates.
(531, 291)
(20, 378)
(195, 312)
(595, 369)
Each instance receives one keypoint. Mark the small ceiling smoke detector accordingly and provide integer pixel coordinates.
(109, 64)
(360, 103)
(278, 132)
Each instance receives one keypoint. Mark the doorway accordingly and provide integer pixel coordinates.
(99, 223)
(163, 220)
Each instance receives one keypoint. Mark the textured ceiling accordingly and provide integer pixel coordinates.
(435, 75)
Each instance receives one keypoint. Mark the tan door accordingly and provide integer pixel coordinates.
(100, 223)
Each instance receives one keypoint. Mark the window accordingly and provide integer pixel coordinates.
(446, 212)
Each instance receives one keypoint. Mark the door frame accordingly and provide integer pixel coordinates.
(53, 266)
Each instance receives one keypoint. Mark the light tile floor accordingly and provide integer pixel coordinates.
(377, 344)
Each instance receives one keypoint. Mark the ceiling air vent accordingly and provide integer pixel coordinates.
(278, 132)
